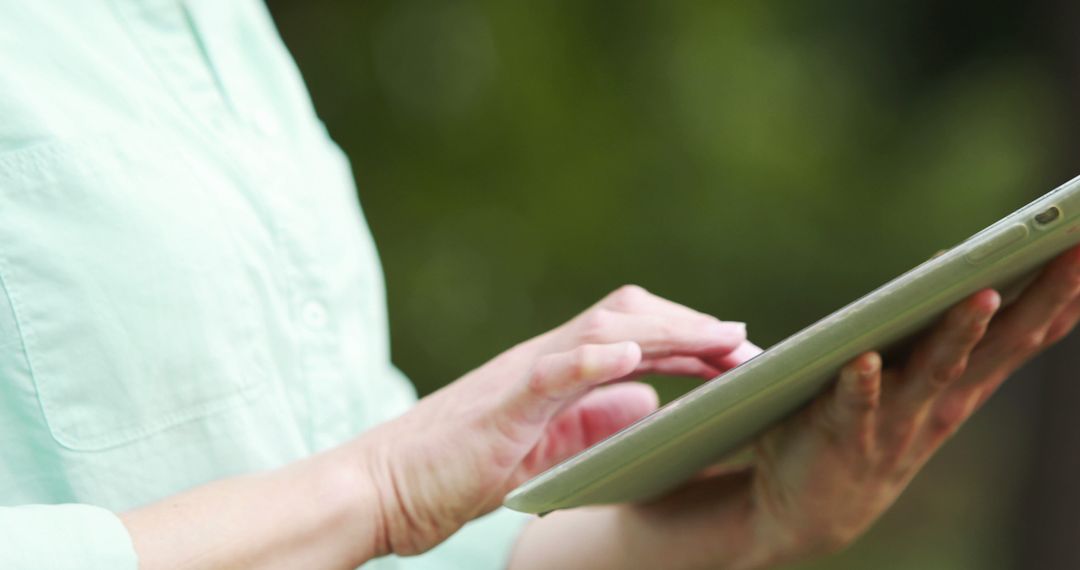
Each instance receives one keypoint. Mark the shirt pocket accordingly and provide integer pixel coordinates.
(124, 281)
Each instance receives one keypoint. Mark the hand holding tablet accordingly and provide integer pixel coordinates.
(670, 446)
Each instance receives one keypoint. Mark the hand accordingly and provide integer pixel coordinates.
(817, 481)
(460, 450)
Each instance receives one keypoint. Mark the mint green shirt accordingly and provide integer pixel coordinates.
(188, 290)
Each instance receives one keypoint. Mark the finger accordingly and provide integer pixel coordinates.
(1064, 324)
(745, 352)
(690, 366)
(1021, 330)
(1052, 291)
(660, 335)
(706, 367)
(591, 419)
(852, 405)
(942, 356)
(608, 409)
(634, 299)
(557, 379)
(947, 413)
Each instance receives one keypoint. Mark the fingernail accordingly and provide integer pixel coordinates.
(869, 364)
(632, 348)
(720, 330)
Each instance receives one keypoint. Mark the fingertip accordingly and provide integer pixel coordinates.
(730, 334)
(645, 395)
(862, 381)
(869, 363)
(870, 382)
(740, 328)
(619, 359)
(631, 352)
(987, 302)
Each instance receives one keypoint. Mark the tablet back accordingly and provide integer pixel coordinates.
(675, 442)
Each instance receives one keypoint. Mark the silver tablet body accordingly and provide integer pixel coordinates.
(670, 445)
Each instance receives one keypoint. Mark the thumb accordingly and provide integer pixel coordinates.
(558, 379)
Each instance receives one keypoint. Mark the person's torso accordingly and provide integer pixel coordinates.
(187, 287)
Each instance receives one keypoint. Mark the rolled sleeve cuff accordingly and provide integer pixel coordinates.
(57, 537)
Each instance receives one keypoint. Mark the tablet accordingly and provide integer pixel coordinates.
(694, 431)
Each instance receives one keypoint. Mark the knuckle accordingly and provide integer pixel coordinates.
(902, 430)
(838, 540)
(866, 401)
(941, 423)
(948, 374)
(627, 297)
(975, 330)
(892, 459)
(904, 470)
(539, 381)
(869, 390)
(948, 415)
(957, 317)
(595, 325)
(982, 396)
(669, 329)
(1029, 343)
(862, 395)
(1058, 331)
(585, 361)
(866, 446)
(829, 420)
(831, 539)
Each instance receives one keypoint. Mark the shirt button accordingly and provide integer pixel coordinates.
(314, 314)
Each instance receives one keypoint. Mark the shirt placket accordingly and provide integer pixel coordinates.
(272, 174)
(321, 383)
(164, 31)
(318, 343)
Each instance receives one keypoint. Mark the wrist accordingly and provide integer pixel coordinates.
(641, 536)
(705, 535)
(348, 496)
(389, 505)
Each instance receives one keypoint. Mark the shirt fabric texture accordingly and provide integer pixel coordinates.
(188, 290)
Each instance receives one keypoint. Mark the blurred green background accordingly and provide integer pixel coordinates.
(762, 161)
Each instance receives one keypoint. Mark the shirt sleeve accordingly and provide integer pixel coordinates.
(62, 537)
(484, 544)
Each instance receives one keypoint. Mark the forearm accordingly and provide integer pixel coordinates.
(628, 537)
(597, 538)
(316, 513)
